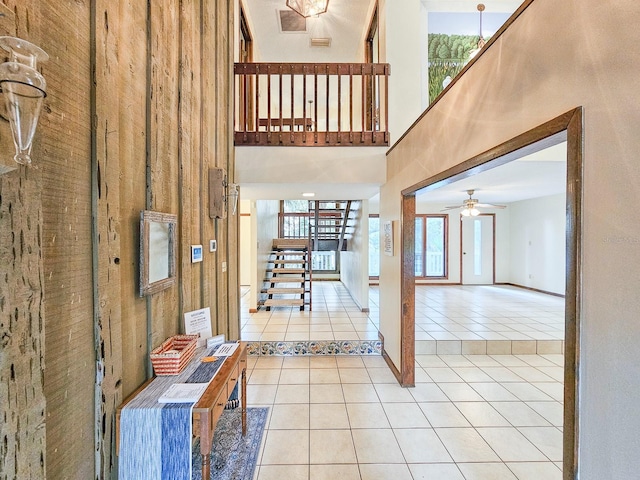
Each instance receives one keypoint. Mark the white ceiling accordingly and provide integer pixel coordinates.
(537, 175)
(271, 45)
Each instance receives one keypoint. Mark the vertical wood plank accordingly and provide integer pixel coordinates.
(208, 128)
(132, 133)
(193, 178)
(22, 405)
(232, 287)
(65, 142)
(164, 148)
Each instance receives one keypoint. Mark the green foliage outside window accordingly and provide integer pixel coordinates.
(448, 54)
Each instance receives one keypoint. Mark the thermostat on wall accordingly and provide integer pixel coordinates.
(196, 253)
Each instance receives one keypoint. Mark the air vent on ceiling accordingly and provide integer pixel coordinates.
(321, 42)
(291, 22)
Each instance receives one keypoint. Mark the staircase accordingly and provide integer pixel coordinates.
(288, 275)
(328, 224)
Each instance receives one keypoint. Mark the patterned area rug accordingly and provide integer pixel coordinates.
(233, 457)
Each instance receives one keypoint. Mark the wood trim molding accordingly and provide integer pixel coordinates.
(408, 296)
(573, 294)
(531, 289)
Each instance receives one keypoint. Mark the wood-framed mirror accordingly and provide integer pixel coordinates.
(157, 251)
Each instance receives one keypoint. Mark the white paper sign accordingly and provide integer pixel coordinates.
(183, 393)
(387, 238)
(225, 350)
(198, 322)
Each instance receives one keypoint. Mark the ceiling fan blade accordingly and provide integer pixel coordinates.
(490, 205)
(452, 207)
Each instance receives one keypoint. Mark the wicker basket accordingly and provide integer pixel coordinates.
(174, 354)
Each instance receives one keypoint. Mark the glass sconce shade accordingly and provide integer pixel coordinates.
(23, 88)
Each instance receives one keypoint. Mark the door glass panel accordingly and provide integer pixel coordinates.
(419, 247)
(435, 247)
(477, 247)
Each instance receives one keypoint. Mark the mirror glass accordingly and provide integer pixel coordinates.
(157, 251)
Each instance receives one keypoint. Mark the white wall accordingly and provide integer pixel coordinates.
(264, 228)
(537, 248)
(354, 263)
(400, 46)
(556, 56)
(245, 242)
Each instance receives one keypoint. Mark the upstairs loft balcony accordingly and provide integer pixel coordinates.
(311, 104)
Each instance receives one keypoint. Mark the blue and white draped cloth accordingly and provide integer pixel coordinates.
(155, 438)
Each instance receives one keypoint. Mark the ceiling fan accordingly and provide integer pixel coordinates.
(470, 206)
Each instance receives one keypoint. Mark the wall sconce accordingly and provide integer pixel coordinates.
(221, 194)
(232, 197)
(24, 88)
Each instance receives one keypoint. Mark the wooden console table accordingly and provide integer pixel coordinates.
(208, 409)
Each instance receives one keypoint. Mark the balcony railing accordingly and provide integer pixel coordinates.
(314, 104)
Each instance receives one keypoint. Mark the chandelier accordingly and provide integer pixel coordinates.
(308, 8)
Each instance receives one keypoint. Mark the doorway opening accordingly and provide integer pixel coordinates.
(566, 127)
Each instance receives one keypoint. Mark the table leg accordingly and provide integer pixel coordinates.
(244, 403)
(206, 466)
(206, 441)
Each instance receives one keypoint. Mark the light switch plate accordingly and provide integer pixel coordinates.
(196, 253)
(213, 245)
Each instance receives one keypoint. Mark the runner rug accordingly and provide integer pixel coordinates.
(233, 457)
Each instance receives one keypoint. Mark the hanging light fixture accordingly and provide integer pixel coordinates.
(308, 8)
(481, 40)
(24, 89)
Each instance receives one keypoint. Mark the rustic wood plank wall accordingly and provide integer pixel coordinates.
(138, 110)
(22, 346)
(191, 160)
(65, 145)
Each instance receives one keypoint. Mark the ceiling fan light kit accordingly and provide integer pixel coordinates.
(470, 206)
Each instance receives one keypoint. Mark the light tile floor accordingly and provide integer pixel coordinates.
(335, 316)
(443, 313)
(469, 417)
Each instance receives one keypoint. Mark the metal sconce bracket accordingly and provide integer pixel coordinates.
(221, 192)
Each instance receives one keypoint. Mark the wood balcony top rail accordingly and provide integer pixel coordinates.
(312, 68)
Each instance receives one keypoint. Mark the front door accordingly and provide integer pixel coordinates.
(477, 250)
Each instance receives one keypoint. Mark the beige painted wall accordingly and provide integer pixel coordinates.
(354, 263)
(264, 228)
(557, 56)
